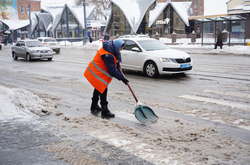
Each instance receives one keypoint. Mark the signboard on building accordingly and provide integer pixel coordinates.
(8, 9)
(162, 22)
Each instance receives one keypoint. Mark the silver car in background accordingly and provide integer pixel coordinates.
(50, 42)
(31, 49)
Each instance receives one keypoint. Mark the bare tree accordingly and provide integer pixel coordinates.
(101, 6)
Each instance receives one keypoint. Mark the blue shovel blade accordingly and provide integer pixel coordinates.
(145, 114)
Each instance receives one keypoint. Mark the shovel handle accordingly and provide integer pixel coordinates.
(129, 87)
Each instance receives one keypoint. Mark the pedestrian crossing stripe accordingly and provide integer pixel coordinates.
(217, 101)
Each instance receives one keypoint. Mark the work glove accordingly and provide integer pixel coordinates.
(125, 81)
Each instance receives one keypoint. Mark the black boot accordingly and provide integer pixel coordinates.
(106, 114)
(95, 109)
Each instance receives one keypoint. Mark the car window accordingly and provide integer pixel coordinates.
(33, 43)
(129, 45)
(40, 40)
(17, 44)
(21, 44)
(50, 40)
(151, 45)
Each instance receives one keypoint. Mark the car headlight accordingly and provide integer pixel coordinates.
(165, 59)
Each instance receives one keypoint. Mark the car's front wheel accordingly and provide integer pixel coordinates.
(49, 59)
(151, 70)
(14, 56)
(28, 57)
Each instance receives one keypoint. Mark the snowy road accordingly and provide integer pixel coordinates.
(204, 116)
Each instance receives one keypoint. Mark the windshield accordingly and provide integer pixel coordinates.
(33, 43)
(151, 45)
(50, 40)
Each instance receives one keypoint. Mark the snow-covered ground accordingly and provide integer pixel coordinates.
(93, 45)
(186, 43)
(182, 43)
(19, 104)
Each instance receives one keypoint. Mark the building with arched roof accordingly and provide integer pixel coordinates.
(148, 16)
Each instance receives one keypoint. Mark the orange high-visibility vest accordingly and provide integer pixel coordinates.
(97, 72)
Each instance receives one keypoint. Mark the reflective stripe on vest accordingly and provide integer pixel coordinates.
(97, 77)
(97, 72)
(100, 69)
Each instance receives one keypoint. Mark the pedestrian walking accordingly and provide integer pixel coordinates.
(89, 36)
(99, 73)
(219, 41)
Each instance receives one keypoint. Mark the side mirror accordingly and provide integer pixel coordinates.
(136, 49)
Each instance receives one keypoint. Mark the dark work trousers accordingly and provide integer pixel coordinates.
(102, 96)
(220, 44)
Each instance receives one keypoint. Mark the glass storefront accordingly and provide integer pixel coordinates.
(68, 26)
(168, 22)
(119, 24)
(233, 29)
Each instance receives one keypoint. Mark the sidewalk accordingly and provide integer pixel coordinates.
(209, 49)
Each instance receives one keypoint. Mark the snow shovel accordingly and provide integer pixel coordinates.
(143, 113)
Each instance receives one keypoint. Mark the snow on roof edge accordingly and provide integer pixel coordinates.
(152, 19)
(136, 25)
(174, 5)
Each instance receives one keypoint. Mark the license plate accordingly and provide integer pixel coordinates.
(185, 65)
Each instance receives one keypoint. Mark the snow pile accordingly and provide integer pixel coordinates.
(94, 45)
(18, 104)
(233, 50)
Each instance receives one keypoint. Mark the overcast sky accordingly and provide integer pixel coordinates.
(214, 7)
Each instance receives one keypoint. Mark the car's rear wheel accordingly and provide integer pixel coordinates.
(28, 57)
(49, 59)
(14, 56)
(57, 51)
(151, 70)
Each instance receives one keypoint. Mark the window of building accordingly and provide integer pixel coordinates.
(120, 25)
(22, 10)
(68, 26)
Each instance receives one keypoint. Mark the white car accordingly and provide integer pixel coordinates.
(153, 57)
(50, 42)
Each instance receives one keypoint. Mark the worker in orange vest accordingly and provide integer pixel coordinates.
(99, 73)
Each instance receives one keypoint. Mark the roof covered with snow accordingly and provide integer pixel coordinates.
(181, 8)
(78, 13)
(134, 10)
(16, 24)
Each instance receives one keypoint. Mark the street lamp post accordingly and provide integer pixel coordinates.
(85, 22)
(30, 26)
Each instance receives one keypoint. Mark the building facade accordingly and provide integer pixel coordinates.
(197, 7)
(159, 18)
(23, 7)
(242, 8)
